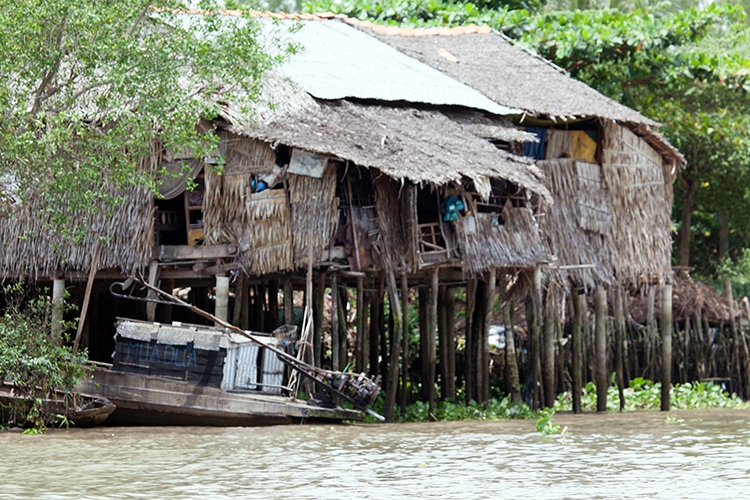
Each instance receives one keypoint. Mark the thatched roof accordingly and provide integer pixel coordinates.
(511, 76)
(423, 146)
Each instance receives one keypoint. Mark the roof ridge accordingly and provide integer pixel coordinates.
(378, 28)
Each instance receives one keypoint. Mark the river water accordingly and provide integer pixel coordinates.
(697, 454)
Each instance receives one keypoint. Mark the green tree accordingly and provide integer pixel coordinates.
(87, 86)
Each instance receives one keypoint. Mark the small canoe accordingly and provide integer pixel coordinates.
(89, 411)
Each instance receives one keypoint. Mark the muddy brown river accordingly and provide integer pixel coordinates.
(699, 454)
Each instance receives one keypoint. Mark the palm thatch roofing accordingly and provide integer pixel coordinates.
(421, 145)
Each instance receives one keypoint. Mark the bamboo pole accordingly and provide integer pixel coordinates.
(576, 348)
(289, 298)
(600, 342)
(666, 345)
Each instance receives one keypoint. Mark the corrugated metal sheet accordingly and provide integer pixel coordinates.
(339, 61)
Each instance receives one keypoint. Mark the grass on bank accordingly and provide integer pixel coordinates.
(641, 395)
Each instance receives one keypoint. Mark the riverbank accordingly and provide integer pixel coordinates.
(641, 395)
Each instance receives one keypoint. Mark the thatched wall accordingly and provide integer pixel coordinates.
(259, 224)
(516, 243)
(33, 248)
(566, 225)
(640, 204)
(315, 213)
(390, 243)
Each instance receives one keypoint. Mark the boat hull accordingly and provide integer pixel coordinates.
(150, 400)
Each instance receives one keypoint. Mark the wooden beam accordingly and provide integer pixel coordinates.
(153, 278)
(166, 253)
(666, 346)
(485, 345)
(600, 343)
(576, 334)
(335, 347)
(87, 296)
(392, 387)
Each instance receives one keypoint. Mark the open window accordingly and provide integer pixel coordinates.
(358, 228)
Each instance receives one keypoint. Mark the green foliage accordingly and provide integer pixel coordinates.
(738, 272)
(646, 395)
(86, 86)
(545, 425)
(37, 362)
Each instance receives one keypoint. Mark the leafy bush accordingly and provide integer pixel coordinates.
(37, 362)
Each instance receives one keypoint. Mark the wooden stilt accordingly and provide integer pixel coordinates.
(273, 305)
(666, 345)
(431, 335)
(289, 300)
(485, 343)
(343, 328)
(650, 346)
(153, 278)
(600, 333)
(512, 385)
(423, 342)
(359, 348)
(548, 349)
(442, 340)
(335, 343)
(164, 312)
(405, 342)
(221, 310)
(318, 305)
(239, 297)
(576, 348)
(392, 387)
(619, 297)
(450, 333)
(376, 325)
(536, 341)
(471, 294)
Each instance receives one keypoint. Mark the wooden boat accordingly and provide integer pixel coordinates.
(198, 375)
(88, 411)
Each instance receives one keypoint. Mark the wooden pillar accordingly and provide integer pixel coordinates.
(58, 307)
(600, 342)
(442, 340)
(619, 297)
(477, 333)
(335, 344)
(536, 328)
(164, 313)
(273, 305)
(239, 298)
(318, 304)
(222, 299)
(429, 364)
(548, 349)
(289, 301)
(392, 387)
(450, 334)
(153, 277)
(651, 334)
(471, 295)
(404, 342)
(666, 345)
(359, 347)
(512, 384)
(485, 343)
(576, 347)
(376, 307)
(343, 328)
(423, 342)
